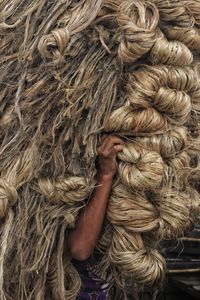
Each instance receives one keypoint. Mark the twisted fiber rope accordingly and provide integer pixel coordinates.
(19, 172)
(58, 39)
(170, 52)
(69, 190)
(186, 21)
(174, 141)
(126, 208)
(139, 168)
(71, 70)
(165, 214)
(8, 196)
(129, 254)
(158, 92)
(137, 21)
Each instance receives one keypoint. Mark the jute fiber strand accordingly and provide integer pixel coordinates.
(69, 71)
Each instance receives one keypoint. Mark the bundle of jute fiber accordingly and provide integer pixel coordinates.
(180, 21)
(69, 71)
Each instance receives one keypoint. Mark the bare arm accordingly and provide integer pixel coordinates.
(83, 238)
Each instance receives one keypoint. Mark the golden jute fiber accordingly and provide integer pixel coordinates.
(69, 71)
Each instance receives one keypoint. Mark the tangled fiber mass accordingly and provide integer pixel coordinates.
(70, 71)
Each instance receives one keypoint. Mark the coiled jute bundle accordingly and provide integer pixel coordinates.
(70, 71)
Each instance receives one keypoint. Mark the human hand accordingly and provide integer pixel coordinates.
(107, 152)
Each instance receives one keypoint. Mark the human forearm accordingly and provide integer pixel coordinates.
(83, 238)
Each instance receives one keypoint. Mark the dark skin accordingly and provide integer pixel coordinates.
(83, 239)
